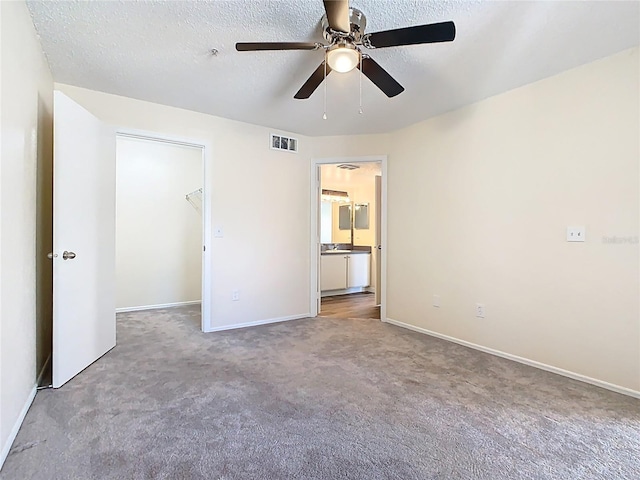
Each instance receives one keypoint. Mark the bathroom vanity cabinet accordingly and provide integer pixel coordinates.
(342, 270)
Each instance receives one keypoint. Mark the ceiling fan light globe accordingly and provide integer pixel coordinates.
(343, 59)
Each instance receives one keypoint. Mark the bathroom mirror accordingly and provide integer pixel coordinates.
(344, 216)
(335, 222)
(361, 216)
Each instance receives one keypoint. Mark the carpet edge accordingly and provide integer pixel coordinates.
(16, 427)
(526, 361)
(256, 323)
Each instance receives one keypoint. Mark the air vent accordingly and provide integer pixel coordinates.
(348, 166)
(278, 142)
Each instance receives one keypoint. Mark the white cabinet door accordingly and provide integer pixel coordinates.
(333, 272)
(359, 270)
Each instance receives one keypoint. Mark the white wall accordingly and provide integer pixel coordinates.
(342, 147)
(326, 221)
(26, 106)
(158, 232)
(265, 251)
(479, 200)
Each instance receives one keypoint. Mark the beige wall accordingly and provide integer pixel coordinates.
(479, 202)
(25, 205)
(158, 232)
(265, 251)
(349, 146)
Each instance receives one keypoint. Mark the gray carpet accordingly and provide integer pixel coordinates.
(318, 399)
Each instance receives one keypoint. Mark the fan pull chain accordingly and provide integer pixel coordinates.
(360, 79)
(324, 115)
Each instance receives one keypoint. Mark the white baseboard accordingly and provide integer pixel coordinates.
(344, 291)
(259, 322)
(155, 307)
(525, 361)
(16, 426)
(43, 371)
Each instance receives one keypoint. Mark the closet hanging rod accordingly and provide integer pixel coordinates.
(195, 192)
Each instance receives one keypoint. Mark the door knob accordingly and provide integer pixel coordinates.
(68, 255)
(51, 255)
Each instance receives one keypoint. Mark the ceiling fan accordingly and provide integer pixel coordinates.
(343, 28)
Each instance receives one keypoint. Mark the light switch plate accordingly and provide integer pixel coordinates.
(576, 234)
(436, 301)
(218, 232)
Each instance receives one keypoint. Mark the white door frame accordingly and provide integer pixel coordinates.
(315, 233)
(207, 167)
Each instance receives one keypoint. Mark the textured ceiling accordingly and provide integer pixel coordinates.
(334, 177)
(160, 52)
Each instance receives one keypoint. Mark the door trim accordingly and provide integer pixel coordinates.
(314, 244)
(207, 176)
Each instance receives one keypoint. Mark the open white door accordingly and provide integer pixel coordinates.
(84, 324)
(377, 253)
(318, 241)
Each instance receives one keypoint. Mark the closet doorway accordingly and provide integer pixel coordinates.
(159, 226)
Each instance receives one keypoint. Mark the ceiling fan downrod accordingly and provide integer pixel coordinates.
(360, 82)
(324, 115)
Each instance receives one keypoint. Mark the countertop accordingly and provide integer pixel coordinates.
(344, 252)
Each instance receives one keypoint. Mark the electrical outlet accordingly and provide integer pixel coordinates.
(436, 300)
(576, 234)
(480, 310)
(235, 295)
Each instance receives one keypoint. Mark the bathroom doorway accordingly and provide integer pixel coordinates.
(349, 224)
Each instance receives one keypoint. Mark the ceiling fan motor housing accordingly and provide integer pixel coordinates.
(357, 24)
